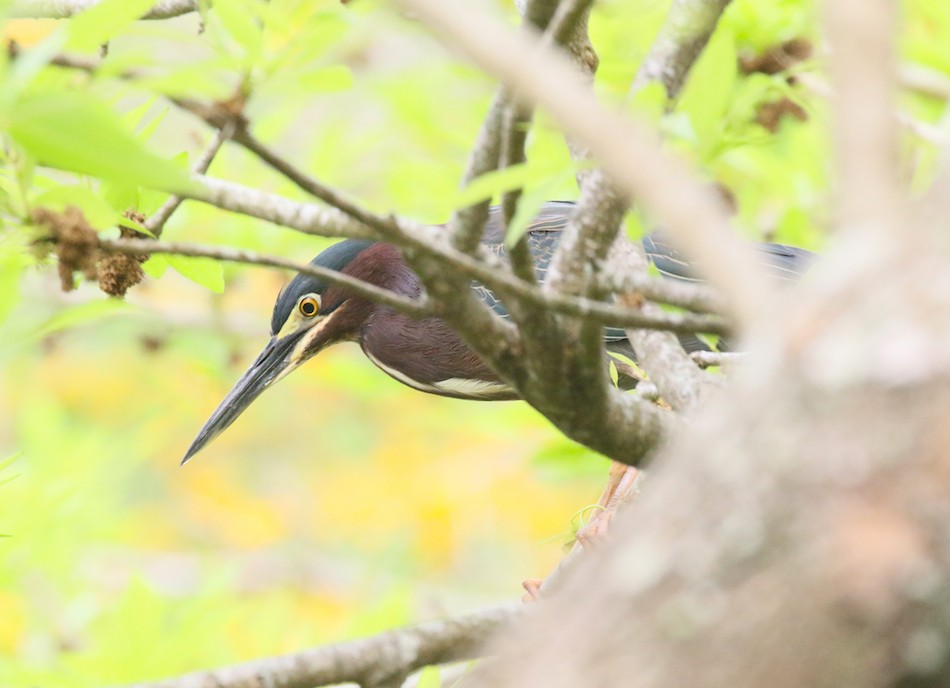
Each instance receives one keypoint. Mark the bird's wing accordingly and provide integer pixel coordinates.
(543, 232)
(781, 262)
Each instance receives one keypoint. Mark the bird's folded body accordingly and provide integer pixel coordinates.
(427, 354)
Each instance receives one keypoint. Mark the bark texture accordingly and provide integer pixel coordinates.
(797, 534)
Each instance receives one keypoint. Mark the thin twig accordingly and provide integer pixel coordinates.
(417, 308)
(373, 661)
(628, 149)
(700, 298)
(715, 359)
(467, 225)
(597, 311)
(565, 21)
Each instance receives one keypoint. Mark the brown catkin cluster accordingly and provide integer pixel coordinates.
(76, 243)
(119, 272)
(778, 58)
(774, 61)
(77, 250)
(770, 114)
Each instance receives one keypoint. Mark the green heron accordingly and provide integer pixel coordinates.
(311, 314)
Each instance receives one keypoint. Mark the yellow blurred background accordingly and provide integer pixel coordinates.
(341, 503)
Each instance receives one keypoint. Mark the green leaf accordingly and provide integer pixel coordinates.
(677, 125)
(208, 79)
(13, 261)
(649, 101)
(202, 271)
(241, 23)
(155, 266)
(83, 314)
(614, 373)
(120, 196)
(97, 211)
(30, 62)
(5, 464)
(95, 26)
(530, 203)
(73, 131)
(529, 174)
(429, 677)
(708, 92)
(486, 186)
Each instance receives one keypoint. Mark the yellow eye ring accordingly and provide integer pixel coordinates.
(308, 306)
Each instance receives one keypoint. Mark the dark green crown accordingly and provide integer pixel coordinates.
(337, 257)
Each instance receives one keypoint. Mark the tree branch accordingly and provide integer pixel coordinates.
(864, 73)
(381, 660)
(63, 9)
(311, 219)
(716, 359)
(417, 308)
(685, 33)
(687, 29)
(627, 149)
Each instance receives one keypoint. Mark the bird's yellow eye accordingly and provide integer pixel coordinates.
(308, 306)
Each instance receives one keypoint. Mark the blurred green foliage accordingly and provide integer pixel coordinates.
(342, 503)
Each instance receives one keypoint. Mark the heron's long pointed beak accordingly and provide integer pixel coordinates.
(276, 360)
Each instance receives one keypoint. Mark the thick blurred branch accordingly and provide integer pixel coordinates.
(864, 73)
(380, 661)
(628, 150)
(62, 9)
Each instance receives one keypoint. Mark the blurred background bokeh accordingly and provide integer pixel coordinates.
(341, 503)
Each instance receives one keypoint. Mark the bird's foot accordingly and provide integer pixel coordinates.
(621, 489)
(532, 589)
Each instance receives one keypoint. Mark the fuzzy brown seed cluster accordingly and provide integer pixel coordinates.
(775, 61)
(778, 58)
(771, 114)
(76, 243)
(119, 272)
(77, 250)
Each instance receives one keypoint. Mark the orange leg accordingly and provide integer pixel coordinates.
(621, 488)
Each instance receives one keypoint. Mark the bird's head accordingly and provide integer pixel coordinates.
(309, 315)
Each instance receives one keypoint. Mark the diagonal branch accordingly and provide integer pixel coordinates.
(688, 27)
(685, 32)
(312, 219)
(628, 149)
(383, 659)
(861, 34)
(417, 308)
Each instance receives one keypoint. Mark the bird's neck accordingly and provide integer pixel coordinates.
(383, 266)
